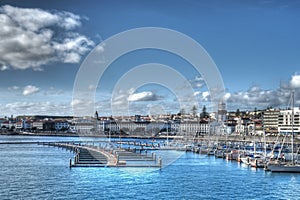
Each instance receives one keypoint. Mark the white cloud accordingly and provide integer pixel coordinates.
(32, 37)
(13, 88)
(260, 98)
(3, 67)
(92, 87)
(30, 89)
(295, 81)
(143, 96)
(37, 108)
(76, 102)
(205, 95)
(227, 96)
(197, 82)
(197, 93)
(51, 91)
(254, 98)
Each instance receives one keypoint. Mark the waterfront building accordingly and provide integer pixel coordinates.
(204, 128)
(27, 124)
(84, 125)
(191, 128)
(285, 121)
(230, 125)
(270, 120)
(61, 125)
(5, 125)
(49, 125)
(38, 125)
(19, 125)
(243, 125)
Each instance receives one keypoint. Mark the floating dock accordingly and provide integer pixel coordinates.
(96, 156)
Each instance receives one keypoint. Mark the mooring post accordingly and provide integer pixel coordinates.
(76, 158)
(154, 156)
(70, 162)
(159, 162)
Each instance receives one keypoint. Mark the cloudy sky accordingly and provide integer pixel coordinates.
(254, 44)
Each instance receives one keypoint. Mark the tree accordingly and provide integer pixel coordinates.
(237, 113)
(194, 110)
(204, 114)
(182, 111)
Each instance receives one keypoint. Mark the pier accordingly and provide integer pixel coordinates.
(97, 156)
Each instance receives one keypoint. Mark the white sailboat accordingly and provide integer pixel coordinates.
(287, 166)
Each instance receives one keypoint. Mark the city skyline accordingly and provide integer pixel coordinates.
(255, 46)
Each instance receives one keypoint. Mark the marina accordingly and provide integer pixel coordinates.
(41, 170)
(132, 152)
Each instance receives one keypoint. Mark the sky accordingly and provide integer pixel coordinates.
(254, 44)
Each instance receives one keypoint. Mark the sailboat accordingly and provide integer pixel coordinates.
(287, 166)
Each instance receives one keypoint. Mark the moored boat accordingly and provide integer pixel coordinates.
(286, 167)
(258, 162)
(245, 160)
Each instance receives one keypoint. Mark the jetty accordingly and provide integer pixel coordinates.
(90, 155)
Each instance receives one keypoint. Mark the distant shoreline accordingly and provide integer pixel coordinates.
(229, 138)
(85, 135)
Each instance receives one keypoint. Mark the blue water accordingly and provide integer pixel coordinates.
(30, 171)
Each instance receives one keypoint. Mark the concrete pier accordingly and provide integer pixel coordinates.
(95, 156)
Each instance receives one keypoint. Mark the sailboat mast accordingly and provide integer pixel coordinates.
(292, 128)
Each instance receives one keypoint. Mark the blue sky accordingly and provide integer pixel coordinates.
(255, 45)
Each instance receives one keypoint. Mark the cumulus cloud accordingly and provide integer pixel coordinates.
(30, 89)
(92, 87)
(257, 97)
(143, 96)
(38, 108)
(227, 96)
(31, 38)
(197, 93)
(295, 81)
(197, 82)
(13, 88)
(205, 95)
(3, 67)
(51, 91)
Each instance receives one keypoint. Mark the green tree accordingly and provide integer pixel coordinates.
(194, 110)
(237, 113)
(204, 114)
(182, 111)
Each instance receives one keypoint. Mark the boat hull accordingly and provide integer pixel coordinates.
(284, 168)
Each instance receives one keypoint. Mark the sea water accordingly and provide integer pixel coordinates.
(31, 171)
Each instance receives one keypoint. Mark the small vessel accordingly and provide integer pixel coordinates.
(291, 166)
(220, 154)
(258, 161)
(245, 160)
(232, 155)
(283, 167)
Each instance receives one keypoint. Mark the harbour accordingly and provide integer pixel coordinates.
(192, 176)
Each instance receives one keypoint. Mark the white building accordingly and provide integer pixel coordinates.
(38, 125)
(84, 125)
(285, 121)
